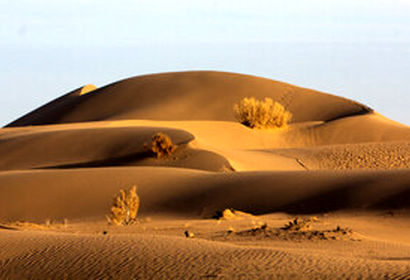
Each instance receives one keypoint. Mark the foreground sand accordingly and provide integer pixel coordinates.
(339, 162)
(157, 248)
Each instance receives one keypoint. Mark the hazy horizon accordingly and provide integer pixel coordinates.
(355, 49)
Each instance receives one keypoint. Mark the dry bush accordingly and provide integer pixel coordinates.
(125, 207)
(262, 113)
(298, 225)
(162, 145)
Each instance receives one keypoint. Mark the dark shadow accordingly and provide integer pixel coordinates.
(365, 110)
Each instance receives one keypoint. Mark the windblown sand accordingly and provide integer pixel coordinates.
(340, 165)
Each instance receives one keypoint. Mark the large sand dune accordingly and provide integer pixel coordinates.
(338, 160)
(187, 96)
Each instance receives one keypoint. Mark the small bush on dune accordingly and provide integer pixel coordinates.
(262, 113)
(125, 207)
(162, 145)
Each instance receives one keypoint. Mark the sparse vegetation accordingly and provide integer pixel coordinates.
(262, 113)
(162, 145)
(298, 225)
(125, 207)
(343, 231)
(295, 230)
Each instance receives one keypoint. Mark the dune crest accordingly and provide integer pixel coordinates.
(50, 112)
(87, 88)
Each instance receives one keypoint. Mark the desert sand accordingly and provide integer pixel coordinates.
(340, 168)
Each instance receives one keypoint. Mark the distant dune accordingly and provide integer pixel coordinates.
(338, 160)
(200, 95)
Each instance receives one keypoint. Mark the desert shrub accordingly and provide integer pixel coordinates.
(125, 207)
(262, 113)
(162, 145)
(299, 224)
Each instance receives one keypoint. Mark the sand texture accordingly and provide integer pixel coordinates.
(328, 197)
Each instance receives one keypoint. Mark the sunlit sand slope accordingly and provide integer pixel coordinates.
(87, 193)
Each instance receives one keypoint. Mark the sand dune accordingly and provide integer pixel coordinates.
(211, 145)
(88, 146)
(338, 161)
(189, 193)
(182, 95)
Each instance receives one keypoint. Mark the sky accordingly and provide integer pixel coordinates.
(359, 49)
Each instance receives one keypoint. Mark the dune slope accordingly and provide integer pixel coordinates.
(87, 193)
(182, 96)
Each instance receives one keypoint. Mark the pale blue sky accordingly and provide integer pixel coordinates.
(358, 49)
